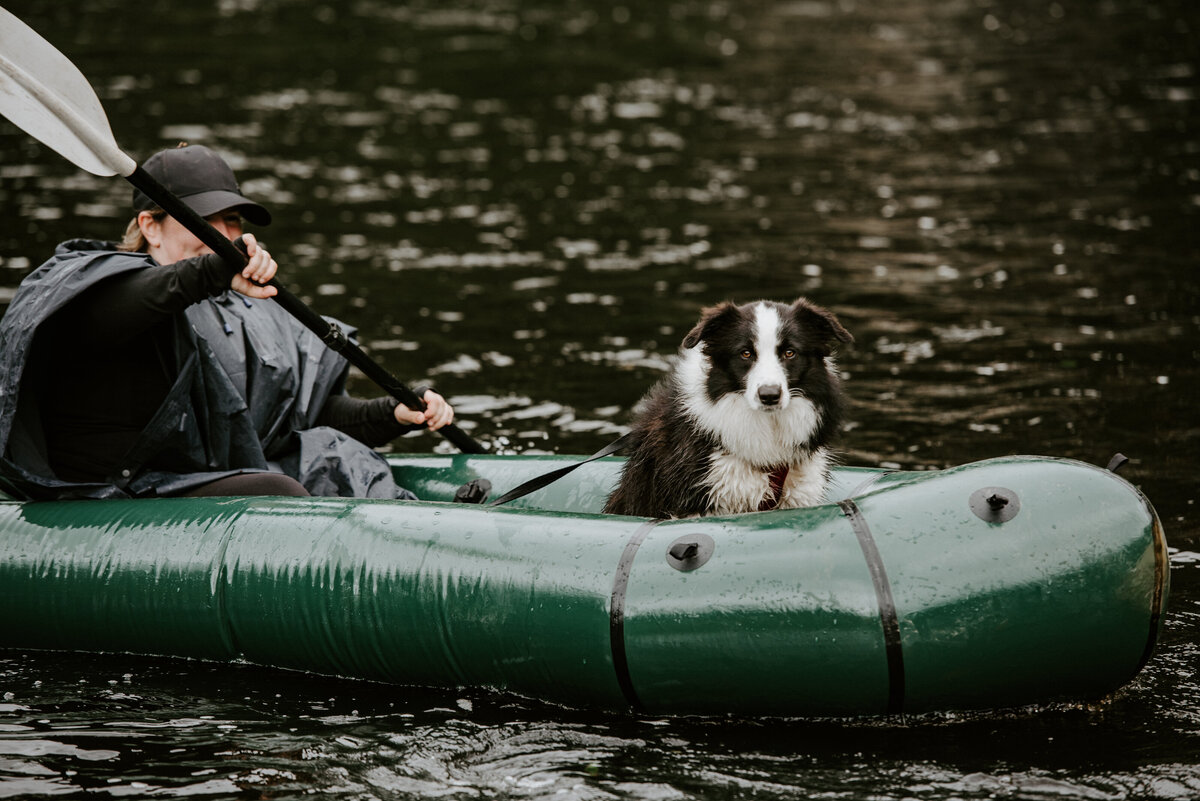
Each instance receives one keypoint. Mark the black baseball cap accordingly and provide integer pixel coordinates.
(202, 180)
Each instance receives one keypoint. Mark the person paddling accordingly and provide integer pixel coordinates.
(146, 369)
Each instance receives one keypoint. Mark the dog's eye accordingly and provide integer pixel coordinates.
(747, 354)
(789, 353)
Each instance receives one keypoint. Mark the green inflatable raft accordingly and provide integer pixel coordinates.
(1002, 583)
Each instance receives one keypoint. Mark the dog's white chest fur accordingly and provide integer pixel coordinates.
(737, 486)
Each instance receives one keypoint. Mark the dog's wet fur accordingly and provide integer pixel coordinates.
(754, 390)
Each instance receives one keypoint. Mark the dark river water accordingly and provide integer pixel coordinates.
(530, 202)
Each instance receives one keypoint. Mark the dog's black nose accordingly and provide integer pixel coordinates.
(770, 394)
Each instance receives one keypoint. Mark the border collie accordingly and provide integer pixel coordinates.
(744, 420)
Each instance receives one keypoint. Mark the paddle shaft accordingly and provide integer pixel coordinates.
(329, 333)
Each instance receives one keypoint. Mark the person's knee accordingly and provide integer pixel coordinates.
(276, 484)
(251, 484)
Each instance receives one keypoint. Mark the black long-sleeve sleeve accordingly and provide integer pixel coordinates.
(123, 307)
(371, 422)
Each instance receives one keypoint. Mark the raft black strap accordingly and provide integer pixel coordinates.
(537, 482)
(1118, 461)
(887, 606)
(870, 482)
(616, 614)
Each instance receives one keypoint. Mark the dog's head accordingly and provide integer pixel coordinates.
(768, 352)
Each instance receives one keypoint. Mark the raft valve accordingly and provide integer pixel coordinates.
(995, 504)
(690, 551)
(685, 550)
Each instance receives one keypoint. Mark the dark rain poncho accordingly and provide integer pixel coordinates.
(250, 383)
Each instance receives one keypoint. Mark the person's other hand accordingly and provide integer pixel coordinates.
(438, 412)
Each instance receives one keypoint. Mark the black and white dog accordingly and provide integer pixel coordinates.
(744, 420)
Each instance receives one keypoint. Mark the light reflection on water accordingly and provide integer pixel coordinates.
(531, 202)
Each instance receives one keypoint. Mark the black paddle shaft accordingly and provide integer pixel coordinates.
(330, 334)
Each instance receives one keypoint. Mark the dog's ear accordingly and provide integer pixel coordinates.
(711, 320)
(826, 325)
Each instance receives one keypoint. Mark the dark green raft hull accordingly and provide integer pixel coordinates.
(898, 598)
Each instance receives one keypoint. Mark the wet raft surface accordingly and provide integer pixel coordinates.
(916, 595)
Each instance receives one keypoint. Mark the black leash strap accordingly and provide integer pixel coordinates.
(537, 482)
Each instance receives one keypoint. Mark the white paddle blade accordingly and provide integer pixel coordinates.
(46, 96)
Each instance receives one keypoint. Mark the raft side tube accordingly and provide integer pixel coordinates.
(125, 576)
(1061, 602)
(437, 595)
(409, 593)
(782, 619)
